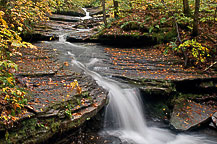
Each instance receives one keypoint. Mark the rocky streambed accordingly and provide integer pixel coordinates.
(186, 99)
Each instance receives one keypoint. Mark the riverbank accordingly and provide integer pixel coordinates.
(55, 107)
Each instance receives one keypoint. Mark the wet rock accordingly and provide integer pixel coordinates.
(214, 119)
(155, 93)
(64, 18)
(190, 115)
(75, 12)
(196, 85)
(95, 11)
(53, 106)
(40, 36)
(212, 125)
(126, 40)
(88, 24)
(82, 36)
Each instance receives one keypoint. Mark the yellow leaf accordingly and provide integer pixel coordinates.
(76, 82)
(2, 13)
(72, 84)
(19, 92)
(10, 80)
(20, 28)
(79, 90)
(66, 63)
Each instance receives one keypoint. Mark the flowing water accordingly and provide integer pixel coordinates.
(87, 14)
(126, 113)
(125, 109)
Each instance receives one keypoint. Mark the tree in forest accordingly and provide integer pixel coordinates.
(186, 8)
(115, 8)
(104, 12)
(196, 18)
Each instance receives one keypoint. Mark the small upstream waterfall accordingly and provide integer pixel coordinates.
(87, 14)
(125, 111)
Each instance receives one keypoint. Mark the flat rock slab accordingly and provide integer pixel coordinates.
(149, 63)
(81, 36)
(95, 11)
(50, 90)
(54, 104)
(64, 18)
(214, 119)
(190, 115)
(38, 62)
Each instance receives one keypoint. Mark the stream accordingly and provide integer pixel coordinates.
(125, 111)
(124, 115)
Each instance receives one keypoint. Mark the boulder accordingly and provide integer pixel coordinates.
(75, 11)
(53, 106)
(190, 115)
(214, 119)
(155, 93)
(64, 18)
(95, 11)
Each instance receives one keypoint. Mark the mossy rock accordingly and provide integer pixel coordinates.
(75, 11)
(132, 25)
(164, 36)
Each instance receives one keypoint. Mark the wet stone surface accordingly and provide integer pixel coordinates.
(189, 115)
(55, 102)
(149, 63)
(47, 74)
(58, 17)
(214, 119)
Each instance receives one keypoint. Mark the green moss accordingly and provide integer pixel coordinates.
(181, 98)
(55, 126)
(131, 25)
(164, 35)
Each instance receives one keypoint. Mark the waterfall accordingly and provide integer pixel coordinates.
(125, 112)
(87, 14)
(62, 38)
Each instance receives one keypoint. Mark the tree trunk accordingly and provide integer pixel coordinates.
(186, 8)
(115, 8)
(104, 12)
(130, 3)
(196, 18)
(215, 14)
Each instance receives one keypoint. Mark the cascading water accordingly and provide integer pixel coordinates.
(125, 110)
(87, 14)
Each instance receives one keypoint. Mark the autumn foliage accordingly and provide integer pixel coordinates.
(20, 17)
(16, 17)
(166, 22)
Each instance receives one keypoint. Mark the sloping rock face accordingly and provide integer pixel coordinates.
(190, 115)
(95, 11)
(214, 119)
(76, 11)
(54, 105)
(63, 18)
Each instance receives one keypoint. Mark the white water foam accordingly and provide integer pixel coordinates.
(92, 62)
(125, 111)
(87, 15)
